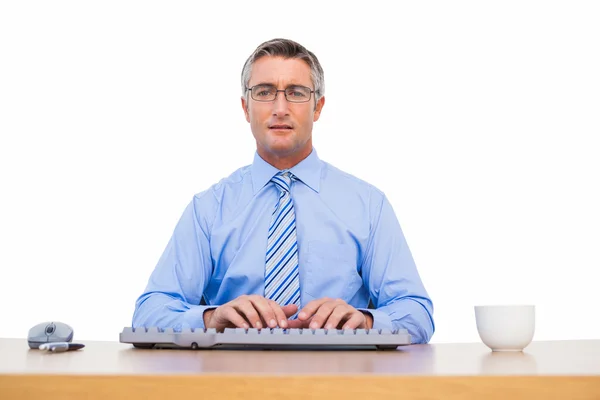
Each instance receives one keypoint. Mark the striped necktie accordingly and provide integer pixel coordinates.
(282, 283)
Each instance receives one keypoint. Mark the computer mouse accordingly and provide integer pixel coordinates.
(49, 332)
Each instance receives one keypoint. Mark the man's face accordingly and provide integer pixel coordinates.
(282, 129)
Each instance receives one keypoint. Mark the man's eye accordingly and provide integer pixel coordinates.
(297, 92)
(264, 91)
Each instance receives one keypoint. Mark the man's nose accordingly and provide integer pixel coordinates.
(280, 104)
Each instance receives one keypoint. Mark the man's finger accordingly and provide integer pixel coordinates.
(310, 309)
(357, 320)
(339, 314)
(290, 310)
(297, 324)
(246, 308)
(281, 315)
(264, 310)
(231, 315)
(287, 311)
(323, 314)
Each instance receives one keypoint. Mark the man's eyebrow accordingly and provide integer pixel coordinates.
(274, 85)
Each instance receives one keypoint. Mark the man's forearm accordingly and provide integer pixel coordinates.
(162, 311)
(406, 314)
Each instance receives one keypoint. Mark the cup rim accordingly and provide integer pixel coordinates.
(504, 305)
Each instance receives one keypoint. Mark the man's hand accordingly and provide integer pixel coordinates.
(331, 314)
(249, 311)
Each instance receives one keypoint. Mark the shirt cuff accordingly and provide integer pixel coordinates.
(381, 320)
(194, 317)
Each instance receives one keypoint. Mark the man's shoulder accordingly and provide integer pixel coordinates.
(333, 175)
(233, 182)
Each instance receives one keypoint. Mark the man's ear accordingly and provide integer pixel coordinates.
(245, 108)
(318, 108)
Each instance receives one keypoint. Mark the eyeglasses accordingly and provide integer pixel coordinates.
(293, 94)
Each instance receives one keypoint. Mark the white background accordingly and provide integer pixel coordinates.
(479, 120)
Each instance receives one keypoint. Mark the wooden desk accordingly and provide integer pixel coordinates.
(111, 370)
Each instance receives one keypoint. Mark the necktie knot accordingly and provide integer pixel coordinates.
(283, 181)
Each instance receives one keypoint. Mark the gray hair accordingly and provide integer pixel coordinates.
(287, 49)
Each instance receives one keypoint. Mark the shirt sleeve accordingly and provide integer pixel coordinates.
(390, 273)
(174, 291)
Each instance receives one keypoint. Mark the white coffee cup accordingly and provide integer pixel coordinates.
(505, 327)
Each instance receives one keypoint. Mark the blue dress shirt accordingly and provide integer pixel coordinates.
(350, 246)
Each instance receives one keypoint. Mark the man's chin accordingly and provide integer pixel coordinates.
(283, 148)
(283, 151)
(282, 144)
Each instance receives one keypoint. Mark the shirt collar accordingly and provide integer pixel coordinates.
(308, 171)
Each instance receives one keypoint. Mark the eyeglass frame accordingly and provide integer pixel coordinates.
(281, 90)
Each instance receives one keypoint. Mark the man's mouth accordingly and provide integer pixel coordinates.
(280, 126)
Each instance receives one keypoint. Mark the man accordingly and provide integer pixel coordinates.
(289, 241)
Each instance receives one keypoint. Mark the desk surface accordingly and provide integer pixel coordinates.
(544, 369)
(540, 358)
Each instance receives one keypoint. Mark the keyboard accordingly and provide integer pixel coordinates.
(266, 339)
